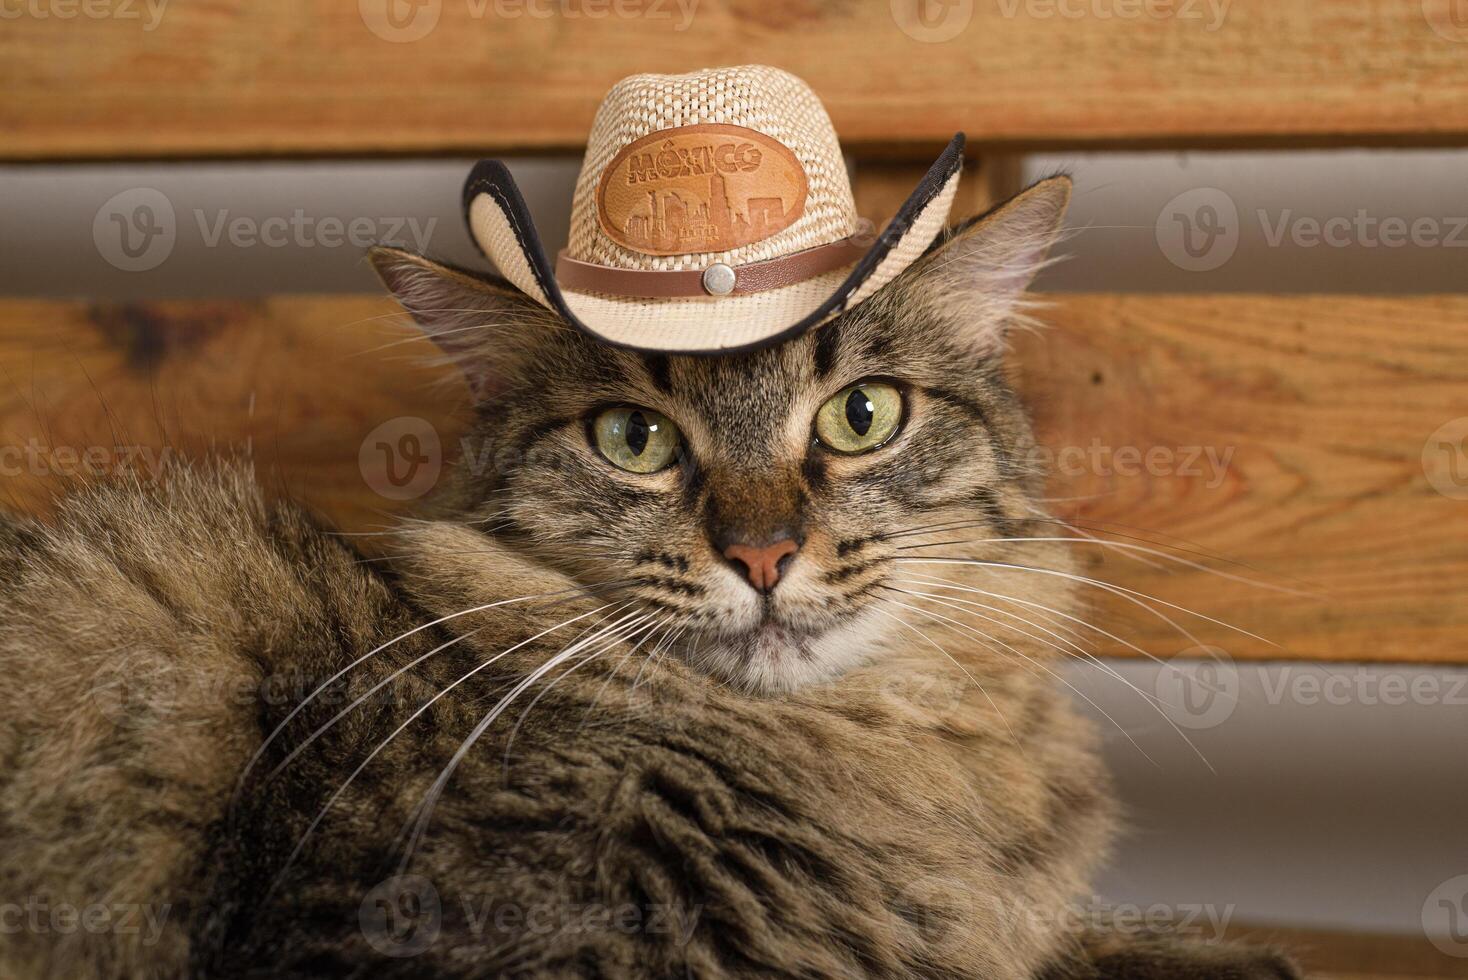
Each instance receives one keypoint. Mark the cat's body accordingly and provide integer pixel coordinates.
(861, 827)
(648, 768)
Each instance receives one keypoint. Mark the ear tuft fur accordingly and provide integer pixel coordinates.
(474, 320)
(977, 274)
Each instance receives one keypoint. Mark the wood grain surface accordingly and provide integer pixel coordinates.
(1286, 440)
(1290, 434)
(1335, 955)
(148, 78)
(295, 384)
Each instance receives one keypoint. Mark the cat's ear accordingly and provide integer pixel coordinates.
(976, 276)
(474, 321)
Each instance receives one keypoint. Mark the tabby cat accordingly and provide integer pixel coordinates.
(730, 666)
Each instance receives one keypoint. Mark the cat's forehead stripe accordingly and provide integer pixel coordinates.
(659, 372)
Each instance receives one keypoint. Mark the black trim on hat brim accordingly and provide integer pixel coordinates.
(492, 177)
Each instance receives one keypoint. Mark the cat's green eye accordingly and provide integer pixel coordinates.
(859, 418)
(638, 440)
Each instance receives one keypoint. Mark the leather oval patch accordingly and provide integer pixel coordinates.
(704, 188)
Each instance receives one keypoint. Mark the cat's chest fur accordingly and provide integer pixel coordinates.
(642, 822)
(665, 824)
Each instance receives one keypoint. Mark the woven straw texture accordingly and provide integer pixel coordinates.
(758, 97)
(768, 100)
(704, 323)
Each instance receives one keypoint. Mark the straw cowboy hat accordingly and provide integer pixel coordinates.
(713, 214)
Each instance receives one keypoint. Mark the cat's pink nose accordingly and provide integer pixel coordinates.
(763, 563)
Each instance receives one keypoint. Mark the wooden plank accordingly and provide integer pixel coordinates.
(295, 384)
(1288, 433)
(1285, 432)
(1335, 955)
(880, 186)
(253, 77)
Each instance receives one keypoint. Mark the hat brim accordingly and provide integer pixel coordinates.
(500, 225)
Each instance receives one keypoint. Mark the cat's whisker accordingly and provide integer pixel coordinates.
(661, 651)
(430, 801)
(942, 584)
(1038, 516)
(1120, 546)
(366, 534)
(1082, 538)
(934, 528)
(954, 624)
(1161, 538)
(1000, 623)
(503, 323)
(1052, 617)
(291, 715)
(1131, 595)
(655, 658)
(311, 739)
(1091, 658)
(1091, 531)
(638, 678)
(417, 334)
(668, 638)
(515, 731)
(321, 815)
(939, 647)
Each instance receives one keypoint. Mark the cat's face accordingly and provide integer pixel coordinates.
(754, 504)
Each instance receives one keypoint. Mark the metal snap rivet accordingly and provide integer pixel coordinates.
(718, 279)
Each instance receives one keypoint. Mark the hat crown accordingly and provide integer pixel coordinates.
(778, 180)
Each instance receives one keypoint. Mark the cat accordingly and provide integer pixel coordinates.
(581, 718)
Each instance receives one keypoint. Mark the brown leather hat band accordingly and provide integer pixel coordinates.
(755, 277)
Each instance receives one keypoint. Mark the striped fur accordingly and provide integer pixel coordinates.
(868, 794)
